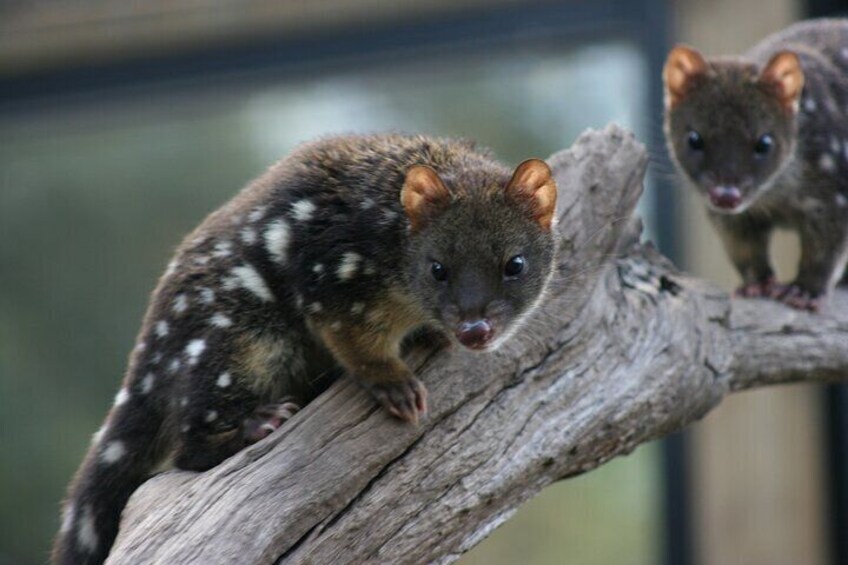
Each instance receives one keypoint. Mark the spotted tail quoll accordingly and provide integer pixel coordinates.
(321, 267)
(764, 137)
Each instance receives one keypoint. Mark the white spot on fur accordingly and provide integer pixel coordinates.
(277, 239)
(302, 210)
(315, 307)
(336, 326)
(827, 163)
(183, 402)
(184, 428)
(207, 295)
(174, 365)
(257, 214)
(223, 249)
(841, 200)
(317, 268)
(157, 357)
(122, 397)
(348, 266)
(844, 52)
(161, 328)
(298, 301)
(249, 278)
(366, 204)
(810, 105)
(224, 380)
(147, 383)
(835, 147)
(248, 236)
(67, 518)
(87, 533)
(98, 435)
(171, 268)
(113, 451)
(180, 303)
(389, 216)
(220, 320)
(194, 348)
(141, 346)
(201, 260)
(211, 416)
(357, 308)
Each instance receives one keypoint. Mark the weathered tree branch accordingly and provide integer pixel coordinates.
(625, 350)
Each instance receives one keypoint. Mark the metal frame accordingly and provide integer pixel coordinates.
(646, 22)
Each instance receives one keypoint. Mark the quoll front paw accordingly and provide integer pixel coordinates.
(758, 289)
(798, 297)
(405, 399)
(268, 418)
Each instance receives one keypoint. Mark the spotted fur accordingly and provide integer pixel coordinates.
(801, 184)
(311, 272)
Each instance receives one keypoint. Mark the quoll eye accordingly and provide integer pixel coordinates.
(438, 271)
(514, 267)
(764, 144)
(695, 141)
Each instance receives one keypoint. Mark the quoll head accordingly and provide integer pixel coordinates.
(481, 247)
(730, 126)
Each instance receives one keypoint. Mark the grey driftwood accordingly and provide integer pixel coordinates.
(626, 349)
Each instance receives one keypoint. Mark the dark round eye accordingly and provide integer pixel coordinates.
(695, 141)
(514, 266)
(438, 271)
(764, 144)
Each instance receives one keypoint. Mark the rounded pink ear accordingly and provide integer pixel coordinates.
(533, 188)
(683, 65)
(423, 195)
(784, 75)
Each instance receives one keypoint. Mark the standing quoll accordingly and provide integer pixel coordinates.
(764, 136)
(322, 266)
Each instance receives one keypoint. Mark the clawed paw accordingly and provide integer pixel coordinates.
(798, 297)
(268, 418)
(758, 289)
(406, 399)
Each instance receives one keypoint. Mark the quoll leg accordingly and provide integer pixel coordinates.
(372, 358)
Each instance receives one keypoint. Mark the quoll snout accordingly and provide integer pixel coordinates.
(725, 197)
(475, 333)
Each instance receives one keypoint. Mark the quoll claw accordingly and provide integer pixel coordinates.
(406, 399)
(798, 297)
(759, 289)
(266, 419)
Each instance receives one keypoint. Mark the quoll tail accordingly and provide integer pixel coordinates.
(122, 455)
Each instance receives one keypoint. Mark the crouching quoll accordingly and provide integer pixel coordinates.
(321, 267)
(764, 137)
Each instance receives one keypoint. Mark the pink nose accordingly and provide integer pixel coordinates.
(726, 197)
(475, 334)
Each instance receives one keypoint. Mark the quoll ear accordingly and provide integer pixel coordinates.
(533, 188)
(423, 195)
(682, 67)
(784, 74)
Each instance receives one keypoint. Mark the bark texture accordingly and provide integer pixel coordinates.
(624, 350)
